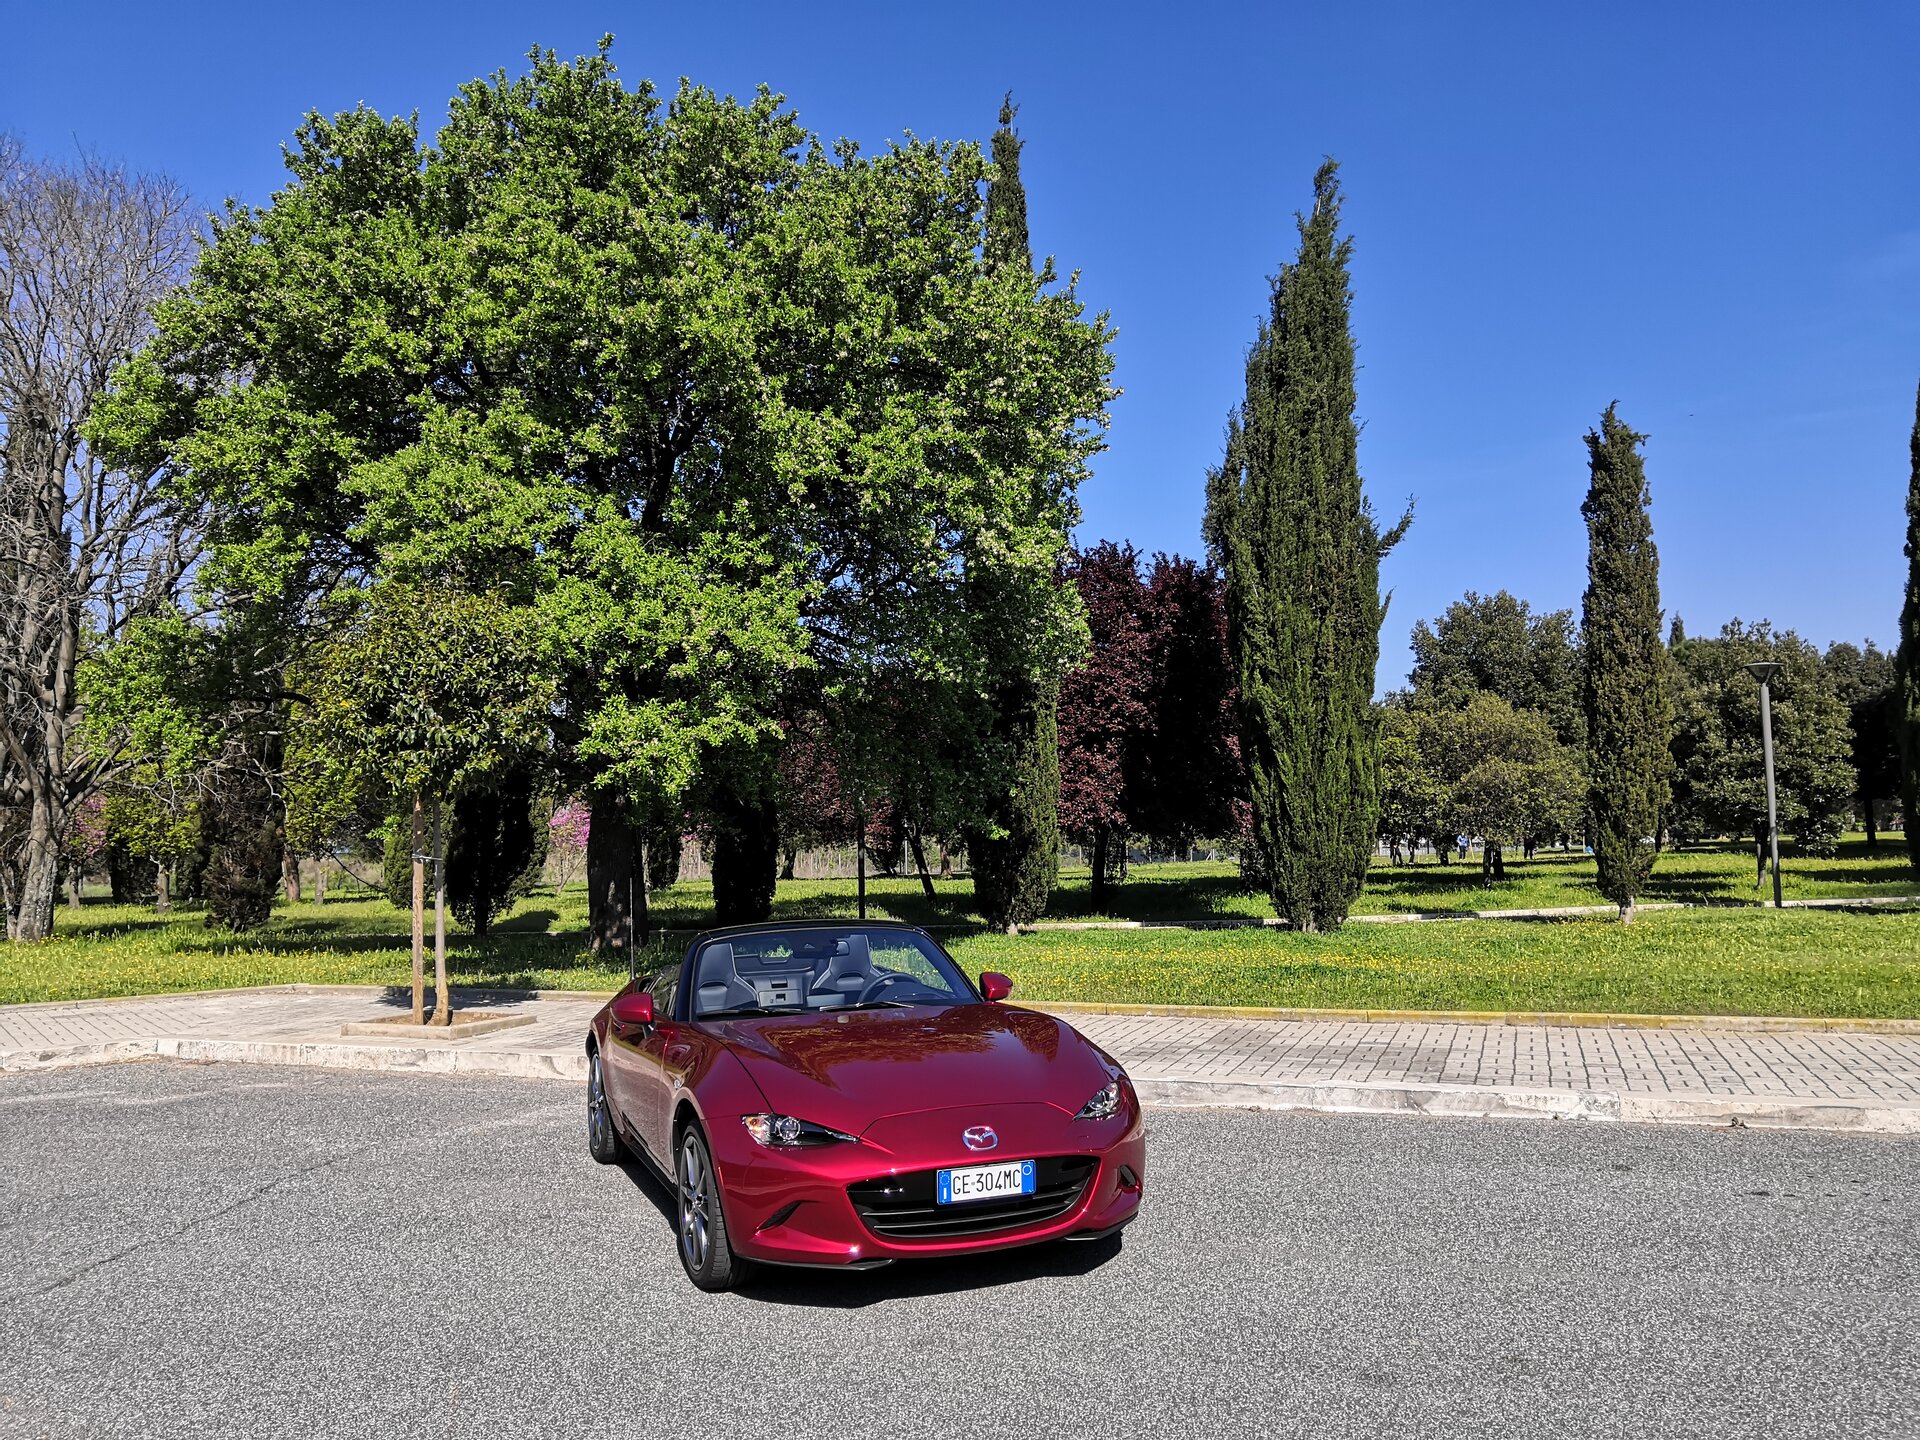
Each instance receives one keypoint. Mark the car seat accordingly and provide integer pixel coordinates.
(849, 969)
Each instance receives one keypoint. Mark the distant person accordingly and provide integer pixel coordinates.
(1461, 841)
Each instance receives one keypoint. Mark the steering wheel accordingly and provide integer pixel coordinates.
(874, 986)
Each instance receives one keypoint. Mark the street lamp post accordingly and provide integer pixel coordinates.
(1765, 671)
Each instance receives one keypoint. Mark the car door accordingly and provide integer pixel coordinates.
(635, 1087)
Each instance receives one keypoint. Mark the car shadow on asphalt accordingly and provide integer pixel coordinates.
(913, 1279)
(836, 1289)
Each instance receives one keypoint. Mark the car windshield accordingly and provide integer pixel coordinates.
(822, 968)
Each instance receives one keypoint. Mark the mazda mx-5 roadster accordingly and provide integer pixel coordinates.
(840, 1094)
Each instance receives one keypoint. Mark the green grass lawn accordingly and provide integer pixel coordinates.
(1862, 963)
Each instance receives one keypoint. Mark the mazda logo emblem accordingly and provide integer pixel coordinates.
(979, 1137)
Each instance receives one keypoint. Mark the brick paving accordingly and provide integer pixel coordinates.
(1797, 1065)
(1778, 1064)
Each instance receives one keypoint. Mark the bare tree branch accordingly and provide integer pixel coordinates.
(86, 249)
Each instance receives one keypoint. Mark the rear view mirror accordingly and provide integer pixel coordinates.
(994, 985)
(631, 1010)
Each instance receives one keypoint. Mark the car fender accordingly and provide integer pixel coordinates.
(719, 1090)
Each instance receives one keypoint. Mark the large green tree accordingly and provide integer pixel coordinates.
(1629, 712)
(1483, 769)
(711, 403)
(1289, 526)
(1906, 702)
(1719, 785)
(1496, 644)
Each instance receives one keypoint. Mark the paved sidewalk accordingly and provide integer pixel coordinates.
(1785, 1077)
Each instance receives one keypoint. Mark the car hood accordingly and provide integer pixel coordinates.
(848, 1070)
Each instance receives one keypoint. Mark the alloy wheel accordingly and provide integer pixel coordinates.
(598, 1122)
(694, 1190)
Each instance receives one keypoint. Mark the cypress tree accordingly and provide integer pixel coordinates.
(1906, 698)
(1293, 533)
(1015, 854)
(1006, 241)
(1629, 707)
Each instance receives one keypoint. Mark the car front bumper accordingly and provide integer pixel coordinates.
(792, 1207)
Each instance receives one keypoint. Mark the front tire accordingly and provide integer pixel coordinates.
(603, 1139)
(700, 1222)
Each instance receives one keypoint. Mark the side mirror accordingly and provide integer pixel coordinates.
(632, 1010)
(994, 985)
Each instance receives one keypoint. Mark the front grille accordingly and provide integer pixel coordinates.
(902, 1207)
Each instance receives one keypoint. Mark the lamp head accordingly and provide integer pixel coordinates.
(1765, 670)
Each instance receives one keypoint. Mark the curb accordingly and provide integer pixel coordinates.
(1593, 1020)
(1156, 1092)
(1421, 917)
(1471, 1102)
(414, 1059)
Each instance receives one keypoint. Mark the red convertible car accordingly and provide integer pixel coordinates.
(840, 1094)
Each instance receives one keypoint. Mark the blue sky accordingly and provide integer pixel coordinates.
(1710, 213)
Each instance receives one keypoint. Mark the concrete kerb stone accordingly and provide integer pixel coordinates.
(1418, 917)
(1490, 1103)
(1599, 1019)
(1157, 1092)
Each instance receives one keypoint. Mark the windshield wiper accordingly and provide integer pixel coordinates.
(750, 1010)
(883, 1004)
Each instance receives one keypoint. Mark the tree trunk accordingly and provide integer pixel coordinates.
(642, 907)
(860, 853)
(162, 888)
(920, 861)
(442, 995)
(419, 913)
(1873, 835)
(610, 861)
(1499, 864)
(73, 887)
(1486, 864)
(320, 882)
(1097, 891)
(39, 876)
(1627, 908)
(1759, 856)
(946, 862)
(786, 863)
(290, 874)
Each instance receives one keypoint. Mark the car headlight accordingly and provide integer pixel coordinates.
(1105, 1102)
(783, 1132)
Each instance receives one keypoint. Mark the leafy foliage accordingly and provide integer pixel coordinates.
(707, 404)
(1188, 777)
(1863, 679)
(1720, 771)
(1291, 529)
(1484, 769)
(496, 847)
(1495, 644)
(1106, 714)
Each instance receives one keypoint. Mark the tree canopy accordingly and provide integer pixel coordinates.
(1496, 644)
(709, 403)
(1719, 783)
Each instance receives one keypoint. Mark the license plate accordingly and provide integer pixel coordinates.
(985, 1182)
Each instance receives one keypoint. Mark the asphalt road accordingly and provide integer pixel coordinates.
(210, 1251)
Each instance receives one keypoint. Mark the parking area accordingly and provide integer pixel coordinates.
(248, 1250)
